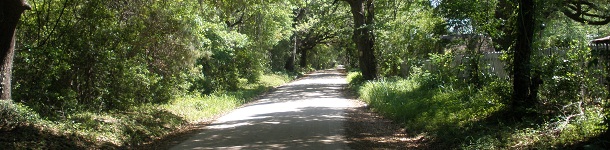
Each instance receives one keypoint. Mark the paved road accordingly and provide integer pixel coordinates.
(305, 114)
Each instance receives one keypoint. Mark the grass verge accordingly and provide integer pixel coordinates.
(468, 118)
(121, 129)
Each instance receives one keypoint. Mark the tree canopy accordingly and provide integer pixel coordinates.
(62, 56)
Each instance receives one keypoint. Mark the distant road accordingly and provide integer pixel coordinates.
(305, 114)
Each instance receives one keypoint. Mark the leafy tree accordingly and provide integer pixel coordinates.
(591, 12)
(407, 31)
(322, 23)
(105, 55)
(314, 23)
(518, 32)
(265, 23)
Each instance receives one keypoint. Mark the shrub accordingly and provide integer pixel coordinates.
(13, 115)
(355, 79)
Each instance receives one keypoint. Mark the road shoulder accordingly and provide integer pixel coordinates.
(365, 129)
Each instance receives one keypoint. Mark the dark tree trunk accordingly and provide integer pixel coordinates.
(305, 45)
(363, 12)
(292, 56)
(10, 12)
(303, 60)
(521, 97)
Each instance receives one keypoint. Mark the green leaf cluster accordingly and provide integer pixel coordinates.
(113, 55)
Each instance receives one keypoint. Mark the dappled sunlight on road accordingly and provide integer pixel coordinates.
(305, 114)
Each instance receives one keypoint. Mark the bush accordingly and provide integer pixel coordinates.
(13, 115)
(468, 117)
(101, 69)
(355, 79)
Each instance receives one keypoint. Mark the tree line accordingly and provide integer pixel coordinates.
(71, 54)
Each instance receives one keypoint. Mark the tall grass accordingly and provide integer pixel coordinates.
(428, 109)
(464, 117)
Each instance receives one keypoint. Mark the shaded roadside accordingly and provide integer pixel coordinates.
(366, 129)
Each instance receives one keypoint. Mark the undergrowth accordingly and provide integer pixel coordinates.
(464, 117)
(121, 129)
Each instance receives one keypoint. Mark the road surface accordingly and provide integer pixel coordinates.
(305, 114)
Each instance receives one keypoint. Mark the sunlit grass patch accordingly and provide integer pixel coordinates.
(196, 108)
(355, 79)
(427, 109)
(275, 79)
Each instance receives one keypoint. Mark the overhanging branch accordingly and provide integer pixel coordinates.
(586, 12)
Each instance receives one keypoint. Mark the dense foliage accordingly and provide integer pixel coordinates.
(86, 65)
(107, 55)
(437, 65)
(449, 74)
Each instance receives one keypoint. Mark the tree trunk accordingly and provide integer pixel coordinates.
(303, 60)
(290, 62)
(10, 13)
(521, 63)
(363, 12)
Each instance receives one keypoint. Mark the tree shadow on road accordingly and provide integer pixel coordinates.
(310, 104)
(279, 130)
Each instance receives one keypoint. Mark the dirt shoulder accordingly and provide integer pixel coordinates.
(366, 129)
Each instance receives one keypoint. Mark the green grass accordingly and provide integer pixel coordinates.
(466, 118)
(193, 109)
(121, 129)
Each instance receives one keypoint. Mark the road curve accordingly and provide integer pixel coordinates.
(305, 114)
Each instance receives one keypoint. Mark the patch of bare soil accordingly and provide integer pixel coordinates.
(366, 129)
